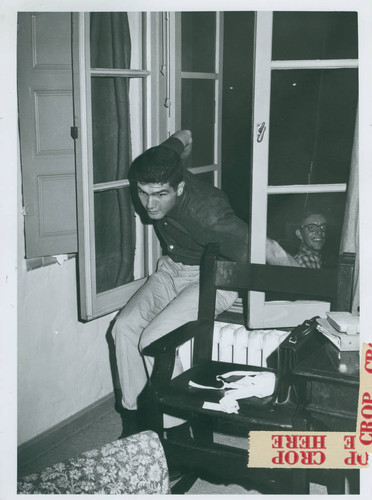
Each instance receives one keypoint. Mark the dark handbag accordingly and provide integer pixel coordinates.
(300, 343)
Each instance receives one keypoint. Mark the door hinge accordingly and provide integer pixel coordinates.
(27, 209)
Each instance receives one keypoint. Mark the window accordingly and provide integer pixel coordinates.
(306, 94)
(113, 96)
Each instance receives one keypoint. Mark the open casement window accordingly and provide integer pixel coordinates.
(196, 87)
(112, 102)
(305, 101)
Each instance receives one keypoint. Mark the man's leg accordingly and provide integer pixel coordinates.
(182, 309)
(145, 304)
(143, 315)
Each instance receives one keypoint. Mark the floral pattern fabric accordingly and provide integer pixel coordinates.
(134, 465)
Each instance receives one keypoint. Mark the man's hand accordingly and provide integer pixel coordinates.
(185, 137)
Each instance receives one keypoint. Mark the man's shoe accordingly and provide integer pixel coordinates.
(129, 420)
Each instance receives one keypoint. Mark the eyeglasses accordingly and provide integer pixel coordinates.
(314, 227)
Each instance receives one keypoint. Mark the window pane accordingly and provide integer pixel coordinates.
(110, 109)
(284, 213)
(312, 125)
(198, 41)
(114, 238)
(197, 114)
(110, 40)
(207, 177)
(136, 28)
(315, 35)
(237, 109)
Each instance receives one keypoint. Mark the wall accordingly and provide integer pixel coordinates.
(63, 365)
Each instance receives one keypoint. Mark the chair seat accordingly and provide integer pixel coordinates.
(260, 412)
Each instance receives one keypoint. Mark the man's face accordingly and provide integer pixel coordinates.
(313, 240)
(158, 199)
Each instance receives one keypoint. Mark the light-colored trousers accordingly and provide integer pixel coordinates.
(168, 299)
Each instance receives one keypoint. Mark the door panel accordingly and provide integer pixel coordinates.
(53, 112)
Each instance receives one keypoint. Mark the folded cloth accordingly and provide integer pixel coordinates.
(223, 383)
(242, 384)
(258, 384)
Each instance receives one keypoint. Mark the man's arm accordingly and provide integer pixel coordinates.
(186, 138)
(180, 142)
(277, 256)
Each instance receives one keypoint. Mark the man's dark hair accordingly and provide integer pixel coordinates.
(157, 165)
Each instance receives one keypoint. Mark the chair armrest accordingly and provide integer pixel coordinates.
(176, 337)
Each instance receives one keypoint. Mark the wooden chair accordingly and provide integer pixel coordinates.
(201, 455)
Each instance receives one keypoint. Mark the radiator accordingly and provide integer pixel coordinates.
(234, 344)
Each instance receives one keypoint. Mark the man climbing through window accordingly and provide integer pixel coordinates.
(187, 214)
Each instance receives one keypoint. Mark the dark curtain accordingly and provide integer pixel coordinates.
(114, 215)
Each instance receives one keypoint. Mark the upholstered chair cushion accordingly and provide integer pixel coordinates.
(134, 465)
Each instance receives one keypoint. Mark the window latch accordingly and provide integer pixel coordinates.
(261, 128)
(74, 132)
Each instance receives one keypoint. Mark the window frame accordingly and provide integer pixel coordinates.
(174, 93)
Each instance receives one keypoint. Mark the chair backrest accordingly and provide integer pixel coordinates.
(333, 285)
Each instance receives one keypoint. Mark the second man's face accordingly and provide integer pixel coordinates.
(158, 199)
(314, 239)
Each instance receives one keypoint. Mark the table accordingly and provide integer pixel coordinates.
(328, 387)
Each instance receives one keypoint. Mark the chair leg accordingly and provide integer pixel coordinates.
(300, 482)
(336, 482)
(202, 430)
(184, 484)
(353, 477)
(154, 417)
